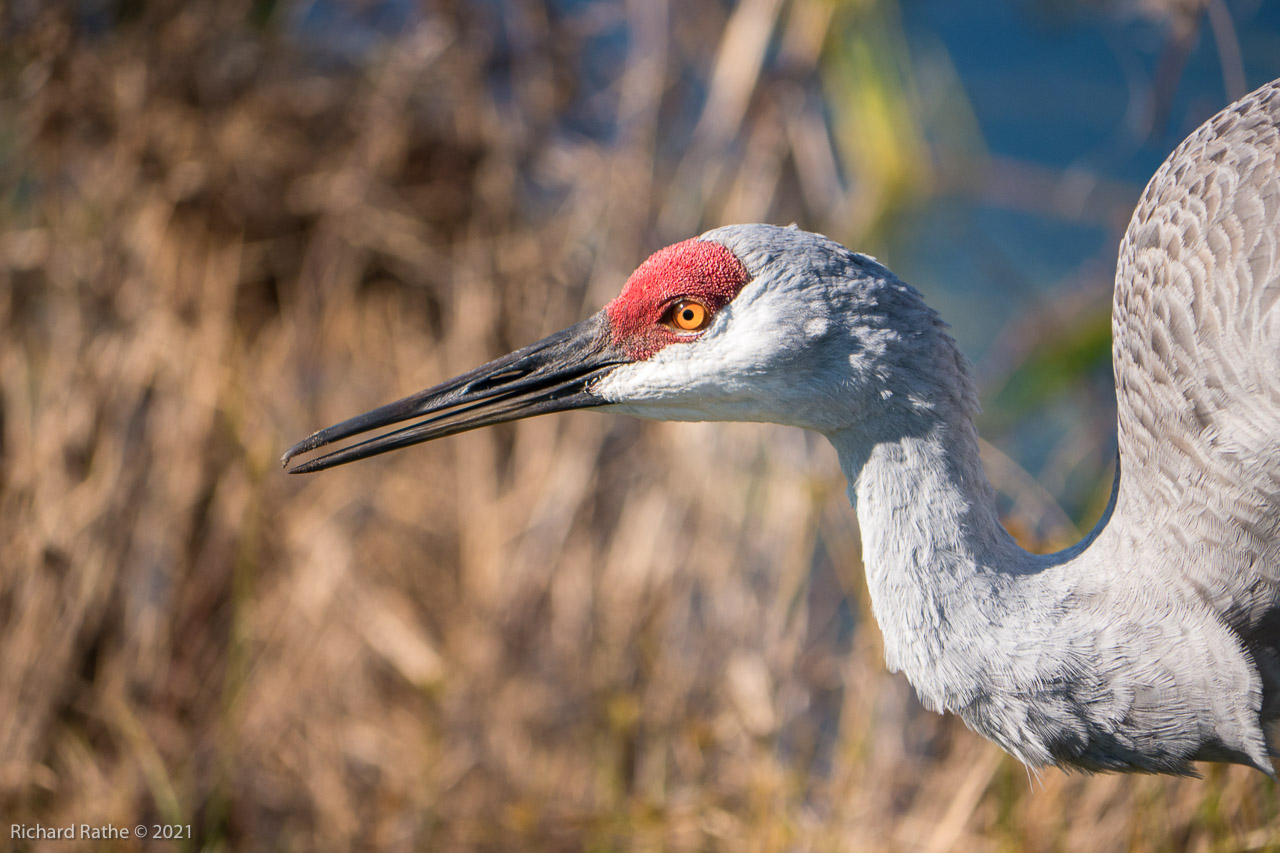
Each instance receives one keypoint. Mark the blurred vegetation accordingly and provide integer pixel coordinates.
(228, 223)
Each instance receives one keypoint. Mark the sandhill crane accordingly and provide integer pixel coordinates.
(1153, 643)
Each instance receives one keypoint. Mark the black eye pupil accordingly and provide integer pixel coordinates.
(688, 314)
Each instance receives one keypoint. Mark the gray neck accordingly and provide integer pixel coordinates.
(1047, 655)
(941, 569)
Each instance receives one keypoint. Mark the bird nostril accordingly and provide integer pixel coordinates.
(484, 383)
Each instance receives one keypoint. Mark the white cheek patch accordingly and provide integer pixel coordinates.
(627, 383)
(676, 371)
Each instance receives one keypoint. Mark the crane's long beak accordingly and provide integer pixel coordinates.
(552, 375)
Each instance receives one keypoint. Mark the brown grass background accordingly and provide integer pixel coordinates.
(575, 633)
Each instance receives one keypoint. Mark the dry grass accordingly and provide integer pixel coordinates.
(578, 632)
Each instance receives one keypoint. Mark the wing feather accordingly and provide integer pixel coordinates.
(1196, 328)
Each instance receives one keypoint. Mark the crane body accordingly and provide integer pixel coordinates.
(1151, 644)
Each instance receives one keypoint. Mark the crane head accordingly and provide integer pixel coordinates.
(747, 323)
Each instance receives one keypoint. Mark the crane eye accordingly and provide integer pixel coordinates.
(688, 315)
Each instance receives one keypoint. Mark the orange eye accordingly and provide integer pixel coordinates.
(689, 316)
